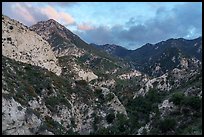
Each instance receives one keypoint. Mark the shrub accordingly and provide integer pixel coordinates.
(177, 98)
(167, 124)
(11, 27)
(98, 91)
(20, 108)
(81, 82)
(109, 97)
(110, 117)
(193, 102)
(9, 38)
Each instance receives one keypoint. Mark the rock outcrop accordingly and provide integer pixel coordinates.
(21, 44)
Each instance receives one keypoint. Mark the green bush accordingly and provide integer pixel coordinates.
(167, 124)
(192, 102)
(110, 117)
(177, 98)
(109, 97)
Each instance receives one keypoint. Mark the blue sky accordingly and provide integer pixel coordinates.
(129, 24)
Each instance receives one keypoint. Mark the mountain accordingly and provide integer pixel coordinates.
(85, 61)
(21, 44)
(164, 56)
(36, 101)
(113, 49)
(157, 59)
(96, 93)
(62, 40)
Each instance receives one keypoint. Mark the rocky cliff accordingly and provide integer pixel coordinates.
(21, 44)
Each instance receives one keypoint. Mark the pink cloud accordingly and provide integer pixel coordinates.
(63, 17)
(85, 26)
(23, 12)
(30, 13)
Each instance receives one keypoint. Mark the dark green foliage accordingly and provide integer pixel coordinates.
(98, 91)
(110, 117)
(81, 82)
(167, 125)
(29, 82)
(53, 101)
(177, 98)
(84, 58)
(193, 102)
(73, 122)
(71, 132)
(96, 121)
(101, 98)
(109, 97)
(20, 108)
(120, 125)
(54, 126)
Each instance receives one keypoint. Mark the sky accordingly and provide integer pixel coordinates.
(128, 24)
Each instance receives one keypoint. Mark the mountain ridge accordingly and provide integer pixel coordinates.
(148, 54)
(96, 92)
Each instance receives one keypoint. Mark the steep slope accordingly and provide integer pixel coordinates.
(157, 59)
(85, 61)
(164, 56)
(113, 49)
(62, 40)
(99, 94)
(21, 44)
(35, 101)
(167, 105)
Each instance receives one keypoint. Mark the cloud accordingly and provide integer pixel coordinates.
(62, 17)
(85, 26)
(23, 12)
(31, 13)
(99, 35)
(184, 20)
(176, 22)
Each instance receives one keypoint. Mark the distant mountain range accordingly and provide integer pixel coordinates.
(163, 56)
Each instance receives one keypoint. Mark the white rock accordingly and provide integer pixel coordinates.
(27, 46)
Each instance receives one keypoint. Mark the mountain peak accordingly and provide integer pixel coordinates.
(49, 27)
(49, 24)
(51, 20)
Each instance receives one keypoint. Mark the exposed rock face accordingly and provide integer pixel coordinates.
(160, 83)
(15, 119)
(21, 44)
(165, 107)
(78, 72)
(129, 75)
(114, 103)
(88, 76)
(59, 37)
(113, 100)
(184, 63)
(106, 83)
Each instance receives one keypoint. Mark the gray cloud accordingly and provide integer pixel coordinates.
(177, 22)
(100, 35)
